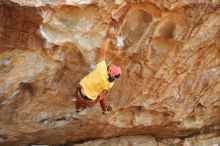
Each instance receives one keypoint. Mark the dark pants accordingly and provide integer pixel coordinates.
(80, 99)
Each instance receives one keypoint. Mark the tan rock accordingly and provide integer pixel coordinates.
(123, 140)
(144, 140)
(169, 87)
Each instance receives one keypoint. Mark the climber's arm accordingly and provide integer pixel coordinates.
(101, 52)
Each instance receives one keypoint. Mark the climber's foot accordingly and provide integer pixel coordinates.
(83, 107)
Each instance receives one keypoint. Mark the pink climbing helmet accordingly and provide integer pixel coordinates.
(114, 71)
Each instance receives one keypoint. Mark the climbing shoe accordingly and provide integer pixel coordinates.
(83, 107)
(109, 109)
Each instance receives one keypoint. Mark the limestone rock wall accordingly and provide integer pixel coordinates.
(142, 140)
(170, 57)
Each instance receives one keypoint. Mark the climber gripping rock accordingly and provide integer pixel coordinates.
(95, 85)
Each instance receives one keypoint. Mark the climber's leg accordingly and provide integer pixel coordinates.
(82, 103)
(103, 102)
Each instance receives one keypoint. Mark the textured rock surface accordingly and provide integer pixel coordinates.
(170, 60)
(202, 140)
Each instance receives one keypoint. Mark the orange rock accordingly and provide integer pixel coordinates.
(169, 86)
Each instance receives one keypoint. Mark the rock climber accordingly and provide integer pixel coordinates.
(95, 85)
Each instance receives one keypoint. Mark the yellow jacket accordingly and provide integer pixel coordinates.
(97, 81)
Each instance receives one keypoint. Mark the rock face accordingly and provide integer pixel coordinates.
(141, 140)
(169, 52)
